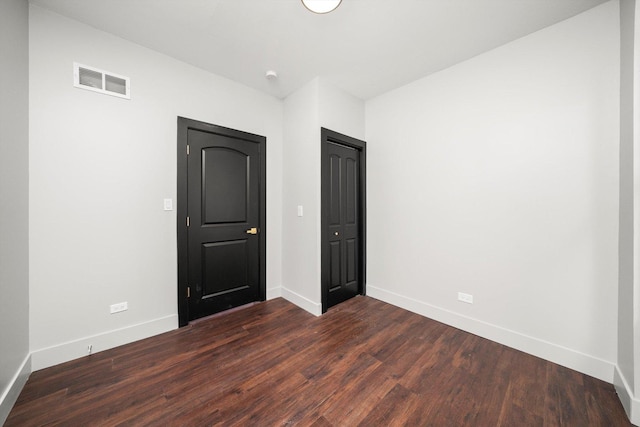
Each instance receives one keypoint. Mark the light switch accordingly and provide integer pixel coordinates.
(168, 204)
(299, 210)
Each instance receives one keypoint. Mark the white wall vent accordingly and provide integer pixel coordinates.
(100, 81)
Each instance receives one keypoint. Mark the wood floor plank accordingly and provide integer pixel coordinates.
(515, 415)
(352, 403)
(394, 409)
(272, 364)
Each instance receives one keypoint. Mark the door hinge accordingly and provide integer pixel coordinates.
(187, 149)
(187, 221)
(188, 291)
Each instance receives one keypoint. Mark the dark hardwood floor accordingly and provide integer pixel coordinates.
(272, 364)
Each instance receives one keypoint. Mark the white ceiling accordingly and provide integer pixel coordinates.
(365, 47)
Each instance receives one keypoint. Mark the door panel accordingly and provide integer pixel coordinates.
(224, 267)
(351, 190)
(342, 219)
(335, 200)
(224, 177)
(225, 200)
(335, 268)
(352, 261)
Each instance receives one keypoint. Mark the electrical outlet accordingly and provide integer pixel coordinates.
(468, 298)
(117, 308)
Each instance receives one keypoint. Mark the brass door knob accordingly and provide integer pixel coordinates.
(253, 230)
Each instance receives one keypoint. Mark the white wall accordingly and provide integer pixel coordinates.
(498, 177)
(626, 344)
(100, 167)
(636, 214)
(301, 187)
(14, 202)
(317, 104)
(627, 374)
(340, 112)
(635, 297)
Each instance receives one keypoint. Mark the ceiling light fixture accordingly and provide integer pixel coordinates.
(321, 6)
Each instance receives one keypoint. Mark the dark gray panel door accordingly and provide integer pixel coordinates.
(342, 242)
(224, 222)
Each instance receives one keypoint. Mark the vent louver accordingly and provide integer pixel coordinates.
(96, 80)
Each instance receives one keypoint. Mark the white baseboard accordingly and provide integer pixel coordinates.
(274, 293)
(629, 402)
(11, 393)
(54, 355)
(567, 357)
(302, 302)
